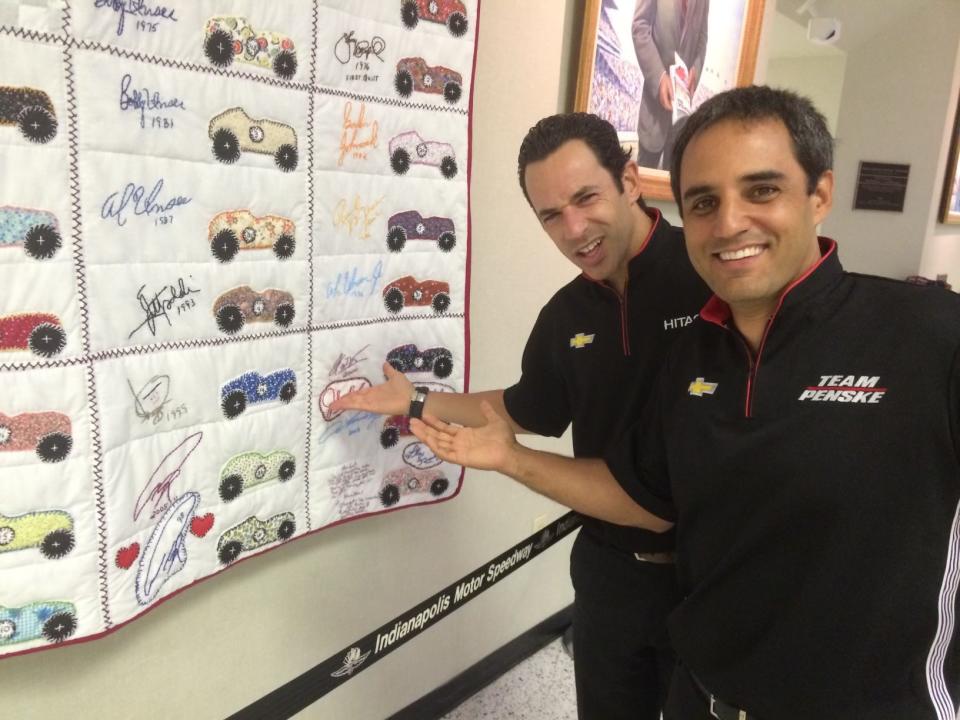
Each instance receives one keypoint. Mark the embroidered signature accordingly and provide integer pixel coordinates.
(166, 551)
(344, 364)
(350, 142)
(351, 424)
(137, 8)
(144, 100)
(160, 304)
(352, 283)
(359, 216)
(136, 199)
(157, 490)
(348, 47)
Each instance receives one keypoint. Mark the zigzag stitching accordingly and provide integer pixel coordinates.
(116, 353)
(311, 87)
(27, 34)
(76, 214)
(66, 17)
(311, 209)
(99, 497)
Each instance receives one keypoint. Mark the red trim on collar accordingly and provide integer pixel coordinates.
(655, 215)
(717, 311)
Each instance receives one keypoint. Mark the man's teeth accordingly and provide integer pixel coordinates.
(741, 253)
(589, 248)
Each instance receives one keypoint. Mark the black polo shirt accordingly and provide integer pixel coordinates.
(815, 489)
(592, 358)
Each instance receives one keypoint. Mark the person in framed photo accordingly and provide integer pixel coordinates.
(663, 32)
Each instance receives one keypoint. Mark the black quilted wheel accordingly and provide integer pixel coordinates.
(218, 48)
(41, 242)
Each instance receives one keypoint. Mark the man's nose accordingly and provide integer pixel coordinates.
(574, 222)
(731, 218)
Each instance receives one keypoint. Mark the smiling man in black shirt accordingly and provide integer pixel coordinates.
(803, 436)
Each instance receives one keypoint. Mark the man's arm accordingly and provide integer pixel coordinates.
(583, 484)
(393, 398)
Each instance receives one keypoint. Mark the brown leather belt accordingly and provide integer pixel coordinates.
(661, 558)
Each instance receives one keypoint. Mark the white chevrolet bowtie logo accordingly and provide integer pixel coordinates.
(701, 387)
(579, 340)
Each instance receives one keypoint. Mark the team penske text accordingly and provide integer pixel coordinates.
(845, 389)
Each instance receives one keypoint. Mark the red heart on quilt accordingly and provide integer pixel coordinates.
(127, 555)
(201, 524)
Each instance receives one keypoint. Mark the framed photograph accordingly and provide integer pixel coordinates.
(645, 65)
(950, 204)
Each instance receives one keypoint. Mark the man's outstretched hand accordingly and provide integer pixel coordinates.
(389, 398)
(488, 447)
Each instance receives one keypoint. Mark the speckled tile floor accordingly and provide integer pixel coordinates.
(539, 688)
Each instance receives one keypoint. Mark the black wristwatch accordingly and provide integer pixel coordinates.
(417, 401)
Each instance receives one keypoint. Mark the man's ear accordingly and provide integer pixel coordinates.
(822, 197)
(630, 177)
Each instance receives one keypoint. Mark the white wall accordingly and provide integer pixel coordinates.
(895, 107)
(228, 641)
(820, 77)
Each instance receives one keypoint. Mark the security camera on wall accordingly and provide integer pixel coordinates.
(823, 31)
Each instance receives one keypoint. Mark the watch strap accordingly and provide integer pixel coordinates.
(417, 402)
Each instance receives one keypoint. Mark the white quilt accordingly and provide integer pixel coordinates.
(215, 217)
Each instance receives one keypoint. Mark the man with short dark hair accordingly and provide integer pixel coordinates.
(590, 361)
(805, 437)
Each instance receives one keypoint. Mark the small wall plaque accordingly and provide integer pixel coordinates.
(881, 186)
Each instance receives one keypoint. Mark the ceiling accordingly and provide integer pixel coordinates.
(861, 20)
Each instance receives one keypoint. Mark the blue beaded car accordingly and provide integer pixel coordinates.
(252, 387)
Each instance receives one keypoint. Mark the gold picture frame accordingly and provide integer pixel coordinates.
(610, 78)
(950, 201)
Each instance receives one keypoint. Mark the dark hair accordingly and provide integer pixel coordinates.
(812, 143)
(546, 137)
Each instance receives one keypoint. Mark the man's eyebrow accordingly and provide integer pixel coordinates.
(759, 176)
(585, 190)
(697, 190)
(762, 175)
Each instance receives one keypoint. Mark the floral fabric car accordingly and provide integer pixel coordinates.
(49, 433)
(251, 469)
(411, 225)
(449, 12)
(53, 620)
(228, 38)
(409, 148)
(30, 110)
(234, 132)
(408, 358)
(406, 481)
(36, 231)
(243, 304)
(413, 74)
(41, 333)
(235, 230)
(254, 533)
(252, 388)
(410, 291)
(50, 530)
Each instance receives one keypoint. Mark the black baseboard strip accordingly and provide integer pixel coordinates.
(445, 698)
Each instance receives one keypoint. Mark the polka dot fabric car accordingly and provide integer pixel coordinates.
(36, 231)
(228, 38)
